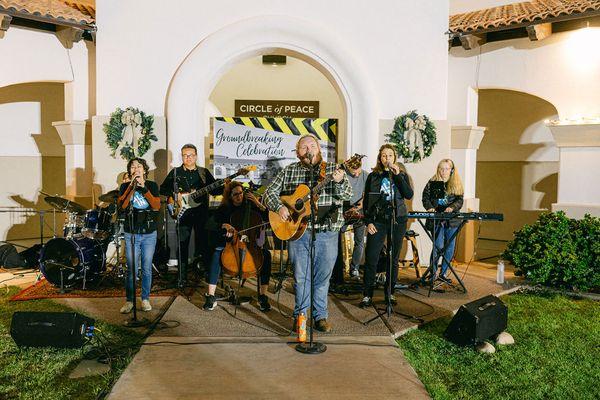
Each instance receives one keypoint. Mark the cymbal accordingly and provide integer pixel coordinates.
(63, 204)
(109, 197)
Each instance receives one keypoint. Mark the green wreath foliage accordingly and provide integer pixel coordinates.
(428, 136)
(114, 130)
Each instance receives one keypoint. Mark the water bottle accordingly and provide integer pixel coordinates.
(500, 271)
(301, 328)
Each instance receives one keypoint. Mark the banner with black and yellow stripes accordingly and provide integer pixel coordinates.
(268, 143)
(324, 128)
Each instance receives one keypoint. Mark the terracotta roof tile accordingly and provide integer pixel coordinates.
(53, 9)
(87, 7)
(509, 14)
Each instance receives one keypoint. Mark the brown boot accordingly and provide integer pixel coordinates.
(323, 326)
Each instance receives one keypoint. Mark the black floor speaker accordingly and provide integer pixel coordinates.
(477, 321)
(54, 329)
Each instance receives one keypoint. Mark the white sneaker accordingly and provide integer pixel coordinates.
(127, 307)
(146, 305)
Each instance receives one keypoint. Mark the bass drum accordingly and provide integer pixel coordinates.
(76, 262)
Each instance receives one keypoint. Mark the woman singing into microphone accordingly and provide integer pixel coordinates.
(387, 185)
(139, 200)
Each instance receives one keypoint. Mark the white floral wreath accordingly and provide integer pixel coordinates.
(414, 136)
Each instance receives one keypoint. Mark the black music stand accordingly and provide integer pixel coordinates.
(431, 272)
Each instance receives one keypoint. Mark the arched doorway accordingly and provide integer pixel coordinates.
(194, 81)
(517, 163)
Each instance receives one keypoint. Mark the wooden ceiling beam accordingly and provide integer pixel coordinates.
(539, 31)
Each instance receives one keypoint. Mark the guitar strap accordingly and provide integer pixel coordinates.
(202, 175)
(322, 171)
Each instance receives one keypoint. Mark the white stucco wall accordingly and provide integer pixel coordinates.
(34, 56)
(463, 6)
(397, 49)
(563, 69)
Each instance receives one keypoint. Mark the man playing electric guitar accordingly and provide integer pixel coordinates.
(334, 192)
(191, 177)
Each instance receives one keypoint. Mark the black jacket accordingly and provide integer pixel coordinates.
(402, 190)
(188, 181)
(453, 201)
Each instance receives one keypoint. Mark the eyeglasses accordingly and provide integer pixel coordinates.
(188, 155)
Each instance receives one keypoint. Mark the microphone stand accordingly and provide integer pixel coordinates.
(133, 322)
(180, 276)
(311, 347)
(389, 308)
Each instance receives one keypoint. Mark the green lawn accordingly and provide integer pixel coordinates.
(556, 354)
(42, 373)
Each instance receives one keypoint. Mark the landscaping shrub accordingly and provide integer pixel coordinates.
(558, 251)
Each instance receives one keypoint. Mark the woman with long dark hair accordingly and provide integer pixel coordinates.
(387, 186)
(448, 199)
(236, 200)
(139, 200)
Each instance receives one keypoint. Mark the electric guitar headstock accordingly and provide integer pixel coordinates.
(353, 162)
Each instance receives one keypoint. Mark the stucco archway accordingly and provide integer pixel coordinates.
(193, 82)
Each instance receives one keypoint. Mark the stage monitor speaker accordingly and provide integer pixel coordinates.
(55, 329)
(477, 321)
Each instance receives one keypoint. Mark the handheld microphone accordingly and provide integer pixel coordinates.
(309, 156)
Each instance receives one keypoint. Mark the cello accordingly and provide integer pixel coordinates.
(242, 257)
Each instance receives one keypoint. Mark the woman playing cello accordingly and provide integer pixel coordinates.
(234, 209)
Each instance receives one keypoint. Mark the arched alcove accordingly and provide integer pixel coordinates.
(198, 74)
(517, 161)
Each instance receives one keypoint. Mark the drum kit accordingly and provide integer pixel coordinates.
(78, 259)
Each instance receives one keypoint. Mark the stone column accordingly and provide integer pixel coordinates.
(78, 160)
(465, 143)
(579, 168)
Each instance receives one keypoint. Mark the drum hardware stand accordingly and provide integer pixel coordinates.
(346, 287)
(85, 268)
(386, 313)
(62, 268)
(53, 223)
(311, 347)
(133, 322)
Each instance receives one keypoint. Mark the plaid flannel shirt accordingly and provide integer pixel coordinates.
(288, 179)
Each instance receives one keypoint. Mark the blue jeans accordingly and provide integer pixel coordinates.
(442, 235)
(144, 244)
(325, 255)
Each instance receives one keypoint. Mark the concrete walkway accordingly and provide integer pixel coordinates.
(268, 368)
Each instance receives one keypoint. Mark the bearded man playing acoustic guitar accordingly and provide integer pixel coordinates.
(326, 228)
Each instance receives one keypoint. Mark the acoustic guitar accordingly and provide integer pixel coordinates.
(194, 199)
(298, 205)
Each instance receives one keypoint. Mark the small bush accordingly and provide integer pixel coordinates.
(558, 251)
